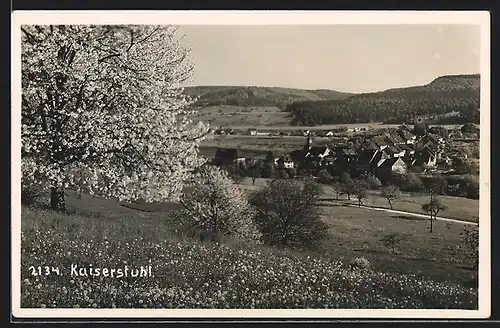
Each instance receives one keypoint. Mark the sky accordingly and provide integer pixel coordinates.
(349, 58)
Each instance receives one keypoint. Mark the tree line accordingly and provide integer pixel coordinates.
(400, 107)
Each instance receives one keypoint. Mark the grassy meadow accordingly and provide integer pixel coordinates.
(233, 116)
(422, 271)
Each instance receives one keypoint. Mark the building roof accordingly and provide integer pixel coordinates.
(349, 152)
(394, 138)
(406, 147)
(365, 156)
(389, 163)
(317, 150)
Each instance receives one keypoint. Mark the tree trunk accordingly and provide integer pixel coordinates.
(57, 201)
(348, 196)
(253, 181)
(431, 222)
(390, 204)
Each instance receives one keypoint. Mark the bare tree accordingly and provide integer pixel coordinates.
(391, 193)
(433, 207)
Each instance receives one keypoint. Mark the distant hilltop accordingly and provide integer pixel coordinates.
(246, 96)
(452, 99)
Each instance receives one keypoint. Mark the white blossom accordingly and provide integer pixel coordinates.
(102, 110)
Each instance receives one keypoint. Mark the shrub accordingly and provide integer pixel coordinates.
(435, 182)
(324, 177)
(32, 194)
(373, 181)
(214, 203)
(470, 243)
(391, 241)
(407, 181)
(287, 215)
(359, 263)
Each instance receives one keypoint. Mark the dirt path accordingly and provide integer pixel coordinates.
(413, 214)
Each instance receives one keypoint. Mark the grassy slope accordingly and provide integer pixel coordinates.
(120, 233)
(355, 232)
(189, 274)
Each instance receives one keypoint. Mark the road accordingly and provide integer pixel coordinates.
(414, 214)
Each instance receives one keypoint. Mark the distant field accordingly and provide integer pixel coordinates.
(457, 207)
(260, 144)
(232, 116)
(270, 119)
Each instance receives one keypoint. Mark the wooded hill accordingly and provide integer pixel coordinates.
(447, 100)
(246, 96)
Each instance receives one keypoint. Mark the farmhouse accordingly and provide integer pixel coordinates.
(285, 162)
(252, 132)
(262, 134)
(388, 166)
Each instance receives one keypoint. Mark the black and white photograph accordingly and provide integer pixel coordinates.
(237, 164)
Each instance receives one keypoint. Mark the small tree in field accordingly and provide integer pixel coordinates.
(433, 207)
(391, 193)
(287, 214)
(215, 204)
(360, 189)
(254, 172)
(338, 189)
(102, 111)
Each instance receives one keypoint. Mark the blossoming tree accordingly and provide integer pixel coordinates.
(215, 204)
(103, 111)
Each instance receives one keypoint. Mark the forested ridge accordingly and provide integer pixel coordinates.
(447, 99)
(246, 96)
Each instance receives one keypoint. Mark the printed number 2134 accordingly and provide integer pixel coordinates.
(44, 270)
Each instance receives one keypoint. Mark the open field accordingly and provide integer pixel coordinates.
(457, 207)
(237, 116)
(271, 119)
(278, 145)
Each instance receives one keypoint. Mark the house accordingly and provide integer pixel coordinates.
(395, 151)
(240, 160)
(252, 132)
(329, 134)
(380, 142)
(263, 134)
(318, 152)
(348, 154)
(394, 138)
(426, 155)
(225, 156)
(389, 166)
(285, 162)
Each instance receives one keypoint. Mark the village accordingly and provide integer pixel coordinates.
(394, 150)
